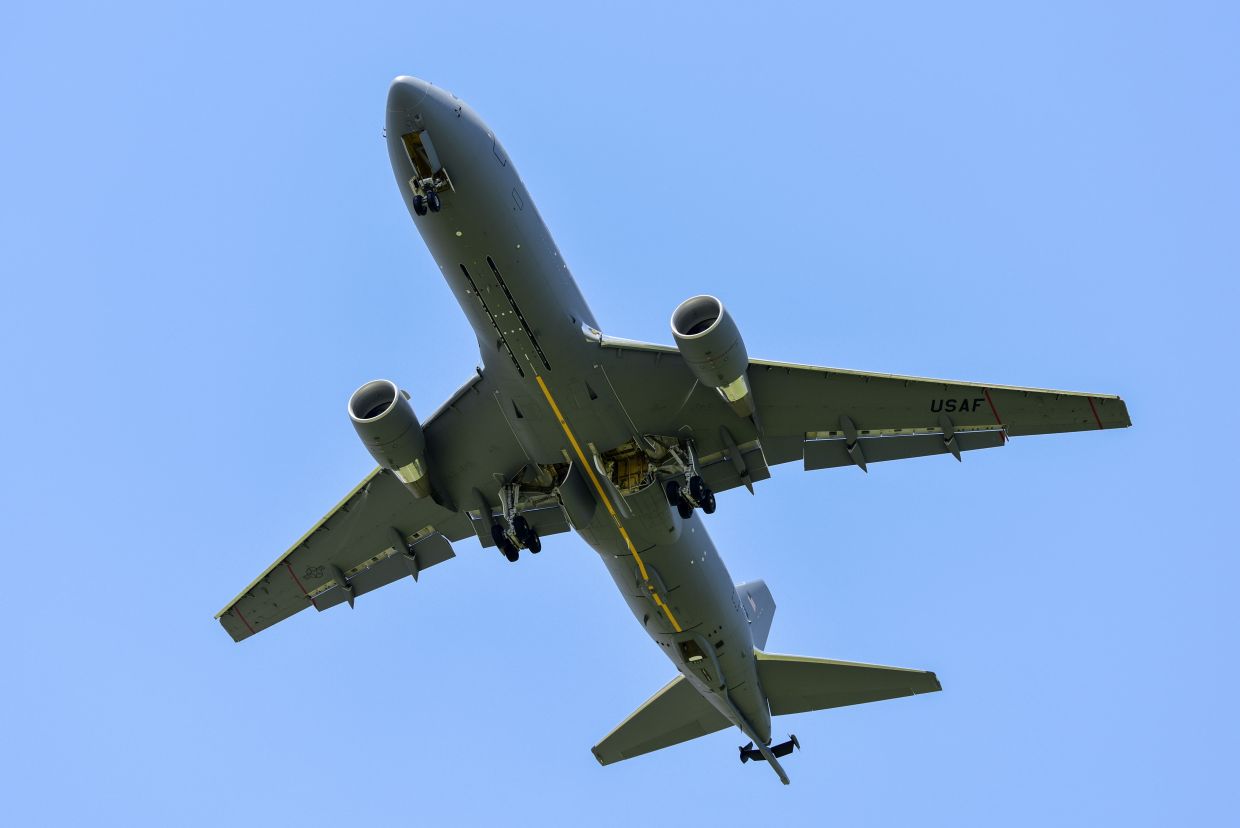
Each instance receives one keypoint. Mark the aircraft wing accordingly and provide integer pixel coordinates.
(828, 417)
(380, 532)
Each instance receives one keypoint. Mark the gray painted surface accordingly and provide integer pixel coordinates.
(587, 430)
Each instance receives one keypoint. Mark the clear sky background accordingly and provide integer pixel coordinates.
(204, 253)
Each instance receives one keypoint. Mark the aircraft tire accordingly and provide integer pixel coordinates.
(419, 205)
(521, 528)
(697, 489)
(708, 502)
(534, 543)
(685, 508)
(673, 492)
(433, 202)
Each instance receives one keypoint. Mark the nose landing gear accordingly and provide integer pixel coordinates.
(426, 193)
(428, 202)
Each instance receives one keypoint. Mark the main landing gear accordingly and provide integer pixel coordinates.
(520, 535)
(426, 193)
(698, 494)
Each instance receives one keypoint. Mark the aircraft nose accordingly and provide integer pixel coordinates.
(406, 93)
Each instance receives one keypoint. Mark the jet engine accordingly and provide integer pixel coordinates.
(711, 344)
(385, 421)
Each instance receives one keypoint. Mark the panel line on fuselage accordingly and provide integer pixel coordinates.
(641, 566)
(517, 310)
(494, 323)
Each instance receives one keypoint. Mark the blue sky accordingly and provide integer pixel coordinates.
(204, 254)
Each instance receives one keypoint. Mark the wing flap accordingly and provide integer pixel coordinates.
(828, 454)
(722, 474)
(429, 551)
(675, 714)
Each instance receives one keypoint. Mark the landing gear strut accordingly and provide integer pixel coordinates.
(527, 535)
(698, 495)
(505, 544)
(426, 196)
(519, 535)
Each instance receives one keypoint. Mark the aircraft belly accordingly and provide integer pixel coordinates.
(490, 243)
(697, 589)
(502, 266)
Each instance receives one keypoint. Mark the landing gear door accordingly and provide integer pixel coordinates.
(421, 153)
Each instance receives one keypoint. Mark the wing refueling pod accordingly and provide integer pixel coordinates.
(712, 347)
(385, 421)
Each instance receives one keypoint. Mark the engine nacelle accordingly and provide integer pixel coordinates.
(711, 344)
(385, 421)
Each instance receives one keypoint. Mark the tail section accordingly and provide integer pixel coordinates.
(796, 684)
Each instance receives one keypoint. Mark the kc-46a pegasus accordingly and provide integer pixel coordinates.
(626, 443)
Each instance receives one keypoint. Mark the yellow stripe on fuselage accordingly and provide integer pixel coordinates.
(602, 493)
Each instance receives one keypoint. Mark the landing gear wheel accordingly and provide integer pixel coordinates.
(510, 551)
(497, 535)
(708, 505)
(433, 202)
(677, 498)
(419, 204)
(673, 492)
(534, 543)
(521, 528)
(697, 489)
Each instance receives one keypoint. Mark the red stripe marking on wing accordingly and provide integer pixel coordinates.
(1097, 419)
(237, 610)
(995, 411)
(297, 581)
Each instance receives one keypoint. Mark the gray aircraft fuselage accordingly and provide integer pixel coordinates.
(515, 289)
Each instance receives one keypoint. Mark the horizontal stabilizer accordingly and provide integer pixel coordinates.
(795, 684)
(675, 714)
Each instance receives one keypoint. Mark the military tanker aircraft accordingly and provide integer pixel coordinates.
(626, 443)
